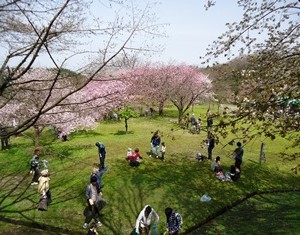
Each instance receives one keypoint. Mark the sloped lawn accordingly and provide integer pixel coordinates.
(178, 183)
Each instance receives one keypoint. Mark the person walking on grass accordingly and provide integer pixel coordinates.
(101, 153)
(238, 155)
(36, 155)
(93, 199)
(143, 221)
(44, 191)
(216, 165)
(174, 221)
(210, 145)
(35, 165)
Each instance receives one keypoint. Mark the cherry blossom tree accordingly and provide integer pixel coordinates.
(188, 86)
(33, 31)
(183, 85)
(148, 85)
(81, 110)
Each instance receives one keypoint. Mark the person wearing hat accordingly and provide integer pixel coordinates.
(174, 221)
(93, 198)
(43, 190)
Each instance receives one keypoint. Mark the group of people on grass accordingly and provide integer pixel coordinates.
(95, 201)
(94, 193)
(157, 150)
(192, 123)
(235, 170)
(234, 173)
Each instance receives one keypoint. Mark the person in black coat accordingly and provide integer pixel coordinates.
(211, 145)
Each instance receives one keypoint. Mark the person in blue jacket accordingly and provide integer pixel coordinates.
(101, 152)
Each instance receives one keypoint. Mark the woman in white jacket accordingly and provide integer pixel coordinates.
(143, 221)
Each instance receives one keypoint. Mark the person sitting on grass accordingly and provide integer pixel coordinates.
(216, 165)
(230, 176)
(234, 173)
(133, 160)
(223, 177)
(129, 153)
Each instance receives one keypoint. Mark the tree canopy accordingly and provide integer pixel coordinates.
(182, 85)
(268, 38)
(33, 31)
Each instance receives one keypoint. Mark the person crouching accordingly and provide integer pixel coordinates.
(133, 160)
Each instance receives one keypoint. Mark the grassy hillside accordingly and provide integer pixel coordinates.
(178, 182)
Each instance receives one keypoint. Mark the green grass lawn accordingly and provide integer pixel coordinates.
(178, 182)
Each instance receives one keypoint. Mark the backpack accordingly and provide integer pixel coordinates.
(34, 164)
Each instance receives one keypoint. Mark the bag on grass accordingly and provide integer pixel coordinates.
(154, 230)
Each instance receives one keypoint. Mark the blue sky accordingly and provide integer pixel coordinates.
(192, 28)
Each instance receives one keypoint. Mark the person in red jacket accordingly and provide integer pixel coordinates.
(133, 160)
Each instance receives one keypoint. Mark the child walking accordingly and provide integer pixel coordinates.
(163, 151)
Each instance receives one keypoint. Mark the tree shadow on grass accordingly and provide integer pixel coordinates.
(67, 151)
(123, 133)
(18, 203)
(290, 157)
(255, 180)
(185, 182)
(84, 133)
(276, 213)
(178, 183)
